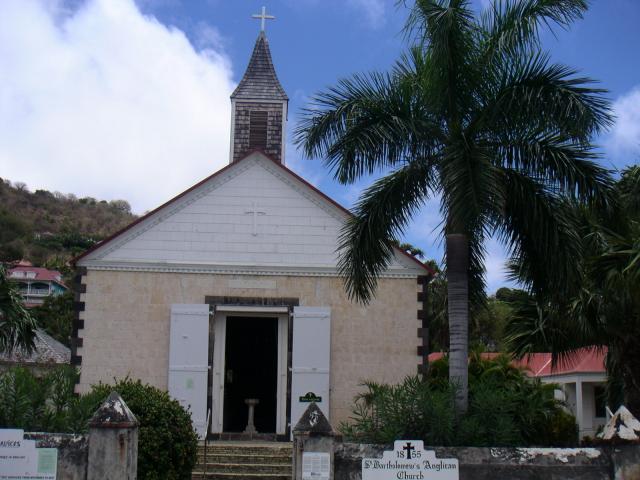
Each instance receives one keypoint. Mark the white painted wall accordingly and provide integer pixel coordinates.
(212, 225)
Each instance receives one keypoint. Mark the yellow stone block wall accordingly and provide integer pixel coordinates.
(127, 321)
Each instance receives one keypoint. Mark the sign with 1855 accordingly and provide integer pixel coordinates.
(410, 461)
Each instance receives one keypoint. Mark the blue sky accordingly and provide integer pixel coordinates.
(116, 99)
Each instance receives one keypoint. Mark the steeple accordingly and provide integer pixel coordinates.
(259, 107)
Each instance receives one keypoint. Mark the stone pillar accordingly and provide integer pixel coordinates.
(314, 442)
(580, 409)
(113, 442)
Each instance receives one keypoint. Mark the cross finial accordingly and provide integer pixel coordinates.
(263, 16)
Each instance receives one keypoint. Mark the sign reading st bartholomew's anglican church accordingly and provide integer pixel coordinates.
(410, 461)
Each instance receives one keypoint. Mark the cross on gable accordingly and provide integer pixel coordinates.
(255, 212)
(263, 16)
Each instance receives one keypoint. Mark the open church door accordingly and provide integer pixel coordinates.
(310, 360)
(188, 360)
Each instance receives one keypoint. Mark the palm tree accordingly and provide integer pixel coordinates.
(476, 116)
(601, 306)
(17, 326)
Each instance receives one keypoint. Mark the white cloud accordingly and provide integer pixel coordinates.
(495, 264)
(374, 10)
(624, 140)
(107, 102)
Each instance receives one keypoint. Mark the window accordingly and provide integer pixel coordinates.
(258, 129)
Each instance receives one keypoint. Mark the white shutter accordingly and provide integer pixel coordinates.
(311, 358)
(188, 360)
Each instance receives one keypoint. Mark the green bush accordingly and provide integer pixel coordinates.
(167, 443)
(45, 403)
(506, 408)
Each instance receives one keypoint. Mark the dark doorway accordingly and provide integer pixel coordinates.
(251, 371)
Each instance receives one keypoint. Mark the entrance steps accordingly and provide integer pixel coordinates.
(244, 460)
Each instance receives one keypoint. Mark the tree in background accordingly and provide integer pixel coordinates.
(478, 117)
(55, 316)
(600, 305)
(17, 325)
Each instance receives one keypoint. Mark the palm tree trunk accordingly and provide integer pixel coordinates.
(631, 377)
(458, 300)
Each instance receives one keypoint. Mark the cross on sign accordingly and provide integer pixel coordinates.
(255, 212)
(408, 448)
(263, 16)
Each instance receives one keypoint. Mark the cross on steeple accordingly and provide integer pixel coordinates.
(263, 16)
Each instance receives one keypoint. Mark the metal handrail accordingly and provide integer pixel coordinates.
(206, 442)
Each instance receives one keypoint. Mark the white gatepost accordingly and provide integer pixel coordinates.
(188, 360)
(310, 370)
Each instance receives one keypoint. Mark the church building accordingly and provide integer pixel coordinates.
(228, 295)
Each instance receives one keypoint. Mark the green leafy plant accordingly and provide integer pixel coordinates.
(167, 443)
(476, 116)
(17, 325)
(506, 408)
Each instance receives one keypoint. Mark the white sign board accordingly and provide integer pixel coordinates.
(408, 461)
(315, 466)
(21, 460)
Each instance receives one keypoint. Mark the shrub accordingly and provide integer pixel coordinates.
(506, 408)
(167, 443)
(33, 403)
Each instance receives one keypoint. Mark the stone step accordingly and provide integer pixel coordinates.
(246, 468)
(250, 449)
(246, 459)
(196, 475)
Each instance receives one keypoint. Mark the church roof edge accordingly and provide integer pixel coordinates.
(260, 81)
(324, 196)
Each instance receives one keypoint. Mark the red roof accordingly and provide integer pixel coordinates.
(42, 274)
(585, 360)
(428, 269)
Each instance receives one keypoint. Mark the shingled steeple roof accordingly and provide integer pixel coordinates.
(260, 81)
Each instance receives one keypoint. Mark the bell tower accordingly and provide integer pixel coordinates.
(259, 106)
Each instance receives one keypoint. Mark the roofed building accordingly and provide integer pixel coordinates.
(36, 283)
(230, 295)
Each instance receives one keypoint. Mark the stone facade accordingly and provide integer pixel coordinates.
(132, 310)
(241, 128)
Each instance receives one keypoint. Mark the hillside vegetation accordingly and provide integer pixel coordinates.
(49, 228)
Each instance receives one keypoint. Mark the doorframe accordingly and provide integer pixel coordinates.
(220, 318)
(221, 301)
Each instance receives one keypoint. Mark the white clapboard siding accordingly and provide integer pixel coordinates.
(311, 359)
(214, 225)
(188, 360)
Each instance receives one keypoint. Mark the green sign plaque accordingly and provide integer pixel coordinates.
(310, 397)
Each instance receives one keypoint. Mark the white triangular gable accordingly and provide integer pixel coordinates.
(253, 216)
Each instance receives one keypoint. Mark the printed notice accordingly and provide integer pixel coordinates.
(315, 466)
(21, 460)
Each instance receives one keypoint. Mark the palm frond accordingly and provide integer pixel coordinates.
(540, 231)
(529, 92)
(511, 26)
(559, 163)
(367, 123)
(380, 216)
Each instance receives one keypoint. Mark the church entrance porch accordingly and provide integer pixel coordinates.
(251, 374)
(223, 357)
